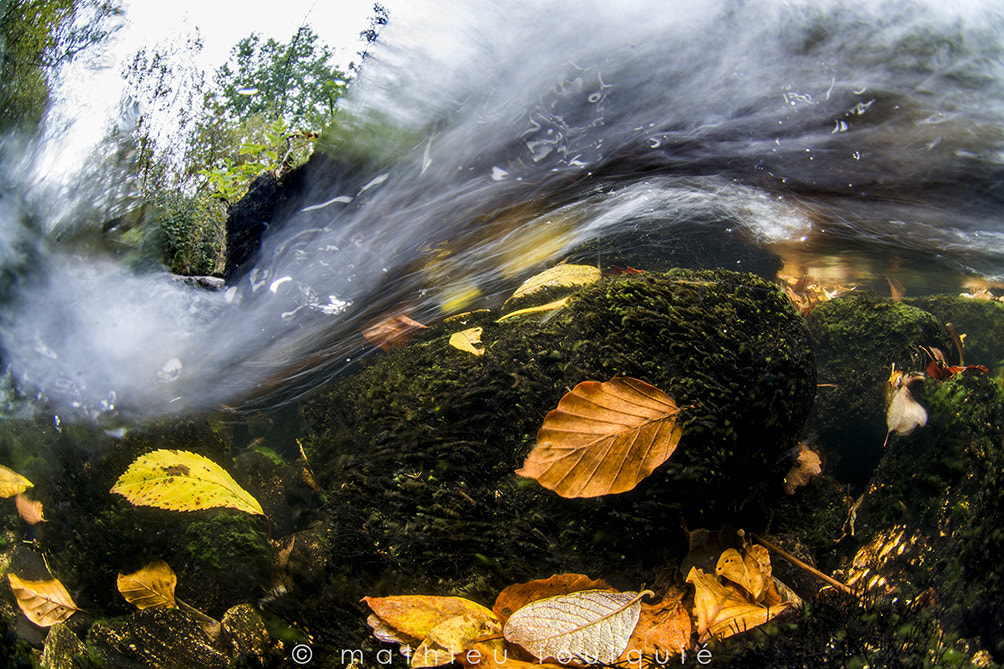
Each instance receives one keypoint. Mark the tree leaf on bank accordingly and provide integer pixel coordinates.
(468, 340)
(150, 587)
(603, 438)
(30, 510)
(12, 483)
(593, 626)
(182, 481)
(519, 595)
(44, 603)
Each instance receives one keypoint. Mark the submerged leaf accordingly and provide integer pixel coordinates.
(150, 587)
(30, 510)
(807, 465)
(750, 571)
(182, 481)
(558, 276)
(663, 629)
(455, 635)
(468, 340)
(415, 616)
(904, 413)
(392, 331)
(593, 626)
(604, 438)
(12, 483)
(44, 603)
(723, 609)
(519, 595)
(550, 306)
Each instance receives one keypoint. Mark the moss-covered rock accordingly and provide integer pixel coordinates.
(981, 321)
(420, 447)
(858, 337)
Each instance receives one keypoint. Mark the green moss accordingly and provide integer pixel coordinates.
(981, 321)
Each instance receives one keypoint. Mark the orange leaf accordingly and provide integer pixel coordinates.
(517, 596)
(391, 331)
(150, 587)
(30, 510)
(44, 603)
(416, 615)
(603, 438)
(750, 571)
(663, 629)
(807, 465)
(723, 609)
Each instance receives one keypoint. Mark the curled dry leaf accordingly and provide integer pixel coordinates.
(392, 331)
(604, 438)
(12, 483)
(593, 626)
(150, 587)
(519, 595)
(468, 340)
(44, 603)
(182, 481)
(807, 465)
(750, 571)
(29, 509)
(723, 610)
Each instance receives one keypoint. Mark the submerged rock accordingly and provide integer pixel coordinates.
(419, 449)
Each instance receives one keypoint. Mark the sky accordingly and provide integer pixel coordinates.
(90, 96)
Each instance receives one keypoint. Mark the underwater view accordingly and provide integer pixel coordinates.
(628, 334)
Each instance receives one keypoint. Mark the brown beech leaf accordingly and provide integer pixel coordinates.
(724, 609)
(391, 331)
(454, 636)
(663, 629)
(29, 509)
(12, 483)
(150, 587)
(604, 438)
(807, 466)
(44, 603)
(592, 626)
(412, 617)
(519, 595)
(750, 571)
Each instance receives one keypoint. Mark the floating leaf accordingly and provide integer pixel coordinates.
(558, 276)
(415, 616)
(593, 626)
(44, 603)
(550, 306)
(455, 635)
(663, 629)
(604, 438)
(519, 595)
(12, 483)
(150, 587)
(392, 331)
(30, 510)
(468, 340)
(723, 609)
(182, 481)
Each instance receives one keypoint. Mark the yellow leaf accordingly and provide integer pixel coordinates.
(415, 616)
(724, 610)
(750, 571)
(44, 603)
(465, 340)
(150, 587)
(455, 635)
(604, 438)
(11, 483)
(550, 306)
(182, 481)
(558, 276)
(592, 626)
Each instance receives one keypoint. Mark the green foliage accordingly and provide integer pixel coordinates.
(194, 235)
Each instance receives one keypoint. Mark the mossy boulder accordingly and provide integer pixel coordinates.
(980, 321)
(858, 337)
(419, 448)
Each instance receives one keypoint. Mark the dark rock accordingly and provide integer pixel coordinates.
(158, 639)
(247, 222)
(244, 635)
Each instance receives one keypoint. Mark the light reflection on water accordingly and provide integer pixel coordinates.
(854, 139)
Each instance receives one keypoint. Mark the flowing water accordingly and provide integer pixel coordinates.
(855, 139)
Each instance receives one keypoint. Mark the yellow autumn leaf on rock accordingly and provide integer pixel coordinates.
(558, 276)
(182, 481)
(44, 603)
(550, 306)
(150, 587)
(12, 483)
(468, 340)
